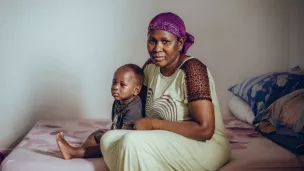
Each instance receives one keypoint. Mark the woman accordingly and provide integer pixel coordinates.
(183, 128)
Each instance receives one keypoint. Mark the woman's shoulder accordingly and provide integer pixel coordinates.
(197, 80)
(193, 65)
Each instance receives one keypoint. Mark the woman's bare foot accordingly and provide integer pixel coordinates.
(68, 151)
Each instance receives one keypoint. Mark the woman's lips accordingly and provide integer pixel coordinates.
(158, 59)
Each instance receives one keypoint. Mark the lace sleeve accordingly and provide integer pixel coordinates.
(197, 80)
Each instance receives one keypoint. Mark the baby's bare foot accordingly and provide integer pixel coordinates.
(68, 151)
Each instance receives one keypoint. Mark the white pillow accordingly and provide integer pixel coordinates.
(241, 110)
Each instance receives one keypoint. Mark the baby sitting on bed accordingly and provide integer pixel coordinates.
(127, 108)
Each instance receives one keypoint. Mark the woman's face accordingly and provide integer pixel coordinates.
(163, 47)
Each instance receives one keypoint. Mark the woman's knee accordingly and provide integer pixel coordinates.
(124, 139)
(106, 140)
(112, 138)
(133, 139)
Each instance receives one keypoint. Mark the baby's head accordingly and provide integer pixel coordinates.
(127, 82)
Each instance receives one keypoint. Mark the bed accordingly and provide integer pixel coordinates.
(252, 151)
(38, 149)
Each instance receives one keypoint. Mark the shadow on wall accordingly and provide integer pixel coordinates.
(56, 96)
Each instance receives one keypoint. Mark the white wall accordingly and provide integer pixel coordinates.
(296, 31)
(57, 57)
(238, 39)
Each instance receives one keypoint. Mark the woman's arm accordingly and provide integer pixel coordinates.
(201, 128)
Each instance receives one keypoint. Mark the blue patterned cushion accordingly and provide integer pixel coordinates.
(260, 92)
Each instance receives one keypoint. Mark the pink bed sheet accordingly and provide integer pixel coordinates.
(39, 151)
(251, 151)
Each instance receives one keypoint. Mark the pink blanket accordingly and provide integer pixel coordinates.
(251, 151)
(38, 150)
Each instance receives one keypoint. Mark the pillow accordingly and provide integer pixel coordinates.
(241, 110)
(259, 92)
(286, 114)
(296, 69)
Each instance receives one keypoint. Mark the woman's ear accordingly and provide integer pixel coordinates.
(136, 90)
(180, 44)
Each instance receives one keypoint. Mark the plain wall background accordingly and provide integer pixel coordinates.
(296, 33)
(57, 58)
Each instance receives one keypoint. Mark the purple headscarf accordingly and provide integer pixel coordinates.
(174, 24)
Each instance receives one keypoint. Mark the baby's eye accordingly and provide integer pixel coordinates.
(123, 85)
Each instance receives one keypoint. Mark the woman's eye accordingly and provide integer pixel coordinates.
(151, 42)
(123, 85)
(165, 41)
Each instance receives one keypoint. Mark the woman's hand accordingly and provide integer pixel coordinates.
(144, 124)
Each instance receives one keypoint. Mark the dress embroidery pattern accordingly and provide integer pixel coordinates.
(163, 107)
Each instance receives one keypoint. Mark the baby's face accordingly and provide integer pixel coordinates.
(123, 85)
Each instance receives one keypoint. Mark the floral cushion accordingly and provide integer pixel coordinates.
(286, 114)
(261, 91)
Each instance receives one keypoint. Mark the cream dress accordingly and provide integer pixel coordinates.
(159, 150)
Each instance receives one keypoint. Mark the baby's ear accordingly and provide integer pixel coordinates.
(137, 90)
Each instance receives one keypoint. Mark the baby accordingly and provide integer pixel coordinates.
(126, 109)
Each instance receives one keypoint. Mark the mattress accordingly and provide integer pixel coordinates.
(38, 150)
(251, 151)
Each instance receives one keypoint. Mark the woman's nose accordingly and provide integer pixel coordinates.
(158, 47)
